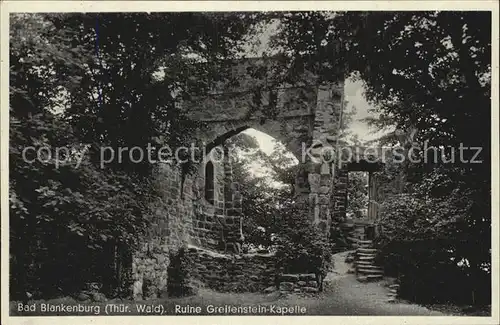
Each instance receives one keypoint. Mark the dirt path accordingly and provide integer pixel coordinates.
(344, 295)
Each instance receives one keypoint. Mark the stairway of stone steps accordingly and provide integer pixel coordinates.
(364, 259)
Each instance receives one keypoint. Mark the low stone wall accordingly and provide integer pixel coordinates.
(232, 273)
(298, 283)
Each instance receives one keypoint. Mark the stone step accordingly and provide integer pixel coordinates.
(371, 272)
(366, 258)
(372, 252)
(368, 266)
(310, 289)
(289, 277)
(366, 250)
(307, 277)
(365, 255)
(365, 263)
(371, 261)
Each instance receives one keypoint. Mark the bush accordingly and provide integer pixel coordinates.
(420, 243)
(301, 246)
(66, 220)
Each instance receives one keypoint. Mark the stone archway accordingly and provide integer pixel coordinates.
(305, 116)
(298, 115)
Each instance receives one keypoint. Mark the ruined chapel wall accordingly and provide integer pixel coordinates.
(180, 217)
(206, 229)
(171, 225)
(301, 113)
(321, 172)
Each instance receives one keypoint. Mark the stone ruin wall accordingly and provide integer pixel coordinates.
(180, 217)
(232, 273)
(171, 224)
(298, 283)
(183, 218)
(205, 230)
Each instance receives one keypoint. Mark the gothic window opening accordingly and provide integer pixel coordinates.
(209, 182)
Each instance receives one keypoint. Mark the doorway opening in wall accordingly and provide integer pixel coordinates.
(357, 195)
(273, 220)
(362, 201)
(262, 171)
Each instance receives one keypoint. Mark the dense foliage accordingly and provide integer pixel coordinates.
(83, 82)
(357, 193)
(430, 71)
(301, 247)
(432, 265)
(263, 186)
(273, 220)
(62, 213)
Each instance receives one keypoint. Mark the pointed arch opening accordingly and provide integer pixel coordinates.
(209, 182)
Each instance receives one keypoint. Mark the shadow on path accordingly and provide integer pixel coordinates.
(344, 295)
